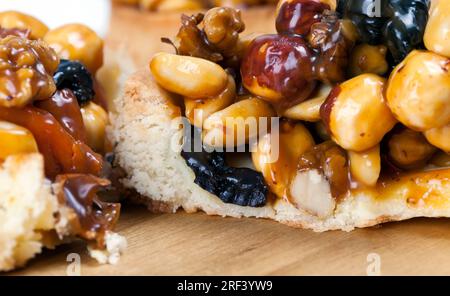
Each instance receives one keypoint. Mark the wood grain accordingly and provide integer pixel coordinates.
(192, 244)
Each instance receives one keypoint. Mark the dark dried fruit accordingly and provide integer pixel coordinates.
(399, 24)
(239, 186)
(74, 76)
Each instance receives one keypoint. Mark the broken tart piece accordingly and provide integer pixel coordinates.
(53, 177)
(358, 139)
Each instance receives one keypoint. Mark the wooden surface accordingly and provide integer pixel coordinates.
(191, 244)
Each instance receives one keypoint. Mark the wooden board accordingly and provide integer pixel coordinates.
(192, 244)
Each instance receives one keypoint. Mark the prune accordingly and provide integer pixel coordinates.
(399, 24)
(74, 76)
(239, 186)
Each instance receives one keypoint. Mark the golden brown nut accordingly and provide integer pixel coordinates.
(356, 113)
(222, 26)
(15, 139)
(418, 91)
(77, 42)
(309, 110)
(276, 156)
(26, 71)
(95, 120)
(197, 110)
(409, 149)
(188, 76)
(439, 137)
(236, 124)
(367, 58)
(18, 20)
(366, 166)
(437, 33)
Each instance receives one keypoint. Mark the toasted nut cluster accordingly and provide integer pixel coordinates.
(197, 110)
(222, 26)
(418, 91)
(278, 161)
(356, 113)
(330, 161)
(236, 124)
(188, 76)
(309, 110)
(95, 120)
(77, 42)
(366, 166)
(437, 33)
(15, 139)
(18, 20)
(409, 149)
(439, 137)
(367, 58)
(26, 69)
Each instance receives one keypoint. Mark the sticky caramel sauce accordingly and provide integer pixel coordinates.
(94, 216)
(63, 105)
(62, 152)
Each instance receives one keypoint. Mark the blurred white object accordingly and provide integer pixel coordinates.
(54, 13)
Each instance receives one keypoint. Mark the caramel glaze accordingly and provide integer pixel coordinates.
(63, 105)
(62, 152)
(283, 64)
(327, 106)
(14, 32)
(94, 217)
(297, 17)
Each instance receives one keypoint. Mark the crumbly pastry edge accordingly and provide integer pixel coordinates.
(144, 132)
(31, 217)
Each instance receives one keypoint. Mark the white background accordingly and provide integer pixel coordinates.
(54, 13)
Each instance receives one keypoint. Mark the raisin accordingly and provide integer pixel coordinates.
(239, 186)
(74, 76)
(399, 24)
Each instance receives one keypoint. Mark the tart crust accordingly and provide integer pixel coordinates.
(146, 127)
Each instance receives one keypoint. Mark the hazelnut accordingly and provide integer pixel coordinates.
(366, 166)
(77, 42)
(418, 91)
(367, 58)
(439, 137)
(95, 120)
(297, 16)
(18, 20)
(437, 33)
(279, 69)
(409, 149)
(356, 114)
(15, 139)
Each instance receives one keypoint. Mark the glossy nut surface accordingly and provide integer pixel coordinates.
(367, 58)
(437, 33)
(279, 69)
(439, 137)
(15, 139)
(309, 110)
(188, 76)
(366, 166)
(95, 120)
(409, 149)
(197, 110)
(356, 114)
(77, 42)
(440, 159)
(236, 124)
(418, 91)
(277, 161)
(18, 20)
